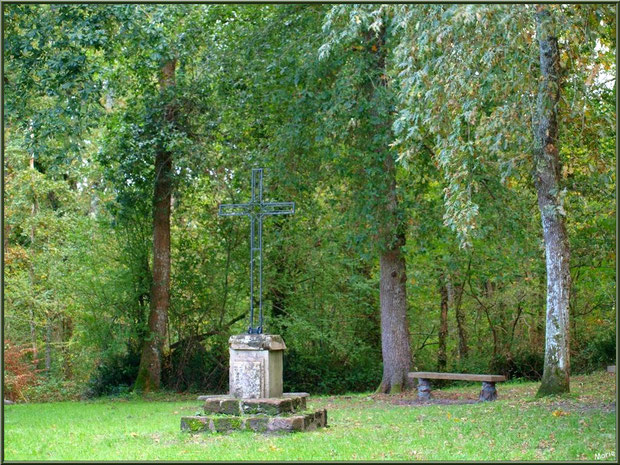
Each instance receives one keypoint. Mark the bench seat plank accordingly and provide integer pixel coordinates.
(457, 376)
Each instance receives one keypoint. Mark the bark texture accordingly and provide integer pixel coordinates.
(547, 180)
(149, 372)
(395, 346)
(442, 358)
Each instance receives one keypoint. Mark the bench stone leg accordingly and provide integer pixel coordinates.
(424, 389)
(488, 392)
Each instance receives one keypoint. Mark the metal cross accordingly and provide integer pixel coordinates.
(256, 209)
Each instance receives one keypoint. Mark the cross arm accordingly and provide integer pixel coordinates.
(234, 209)
(278, 208)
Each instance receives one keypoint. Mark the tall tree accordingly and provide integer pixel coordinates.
(363, 39)
(150, 146)
(149, 372)
(395, 346)
(547, 180)
(466, 87)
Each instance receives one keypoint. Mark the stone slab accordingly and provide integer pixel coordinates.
(295, 394)
(261, 423)
(228, 405)
(228, 396)
(214, 396)
(256, 342)
(611, 369)
(457, 376)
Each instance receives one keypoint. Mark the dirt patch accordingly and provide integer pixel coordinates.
(422, 403)
(439, 398)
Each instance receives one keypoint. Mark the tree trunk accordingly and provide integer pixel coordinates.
(460, 321)
(67, 332)
(278, 292)
(546, 178)
(149, 372)
(395, 346)
(442, 359)
(48, 347)
(33, 230)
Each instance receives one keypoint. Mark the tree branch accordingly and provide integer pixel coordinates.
(200, 337)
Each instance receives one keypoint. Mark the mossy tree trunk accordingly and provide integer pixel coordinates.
(149, 372)
(547, 179)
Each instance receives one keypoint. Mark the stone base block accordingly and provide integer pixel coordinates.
(215, 423)
(228, 405)
(255, 366)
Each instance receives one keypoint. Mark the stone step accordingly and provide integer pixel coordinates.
(228, 405)
(262, 423)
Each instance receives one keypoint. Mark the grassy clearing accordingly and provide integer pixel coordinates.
(361, 427)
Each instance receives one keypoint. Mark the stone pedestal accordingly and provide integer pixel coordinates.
(255, 366)
(256, 401)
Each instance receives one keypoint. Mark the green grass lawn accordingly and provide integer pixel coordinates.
(361, 427)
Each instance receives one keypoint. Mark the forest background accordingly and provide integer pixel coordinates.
(295, 89)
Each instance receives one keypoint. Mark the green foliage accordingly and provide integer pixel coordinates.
(54, 390)
(192, 367)
(596, 354)
(113, 376)
(305, 372)
(293, 88)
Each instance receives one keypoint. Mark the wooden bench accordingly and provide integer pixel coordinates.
(488, 383)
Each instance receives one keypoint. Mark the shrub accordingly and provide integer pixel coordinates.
(19, 372)
(594, 354)
(192, 367)
(114, 375)
(524, 364)
(53, 390)
(321, 374)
